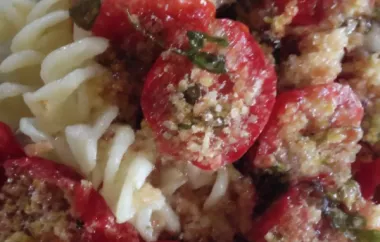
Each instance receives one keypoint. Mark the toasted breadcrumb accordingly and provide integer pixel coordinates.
(33, 211)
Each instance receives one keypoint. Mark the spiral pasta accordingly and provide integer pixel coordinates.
(34, 29)
(65, 99)
(79, 126)
(114, 156)
(127, 162)
(13, 14)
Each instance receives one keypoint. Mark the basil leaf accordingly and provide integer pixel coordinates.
(210, 62)
(367, 235)
(197, 39)
(85, 12)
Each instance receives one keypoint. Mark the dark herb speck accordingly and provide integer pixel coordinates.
(79, 224)
(192, 94)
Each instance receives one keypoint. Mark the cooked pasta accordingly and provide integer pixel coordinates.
(71, 120)
(128, 162)
(34, 29)
(219, 189)
(13, 14)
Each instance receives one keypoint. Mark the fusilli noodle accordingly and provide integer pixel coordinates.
(78, 123)
(33, 29)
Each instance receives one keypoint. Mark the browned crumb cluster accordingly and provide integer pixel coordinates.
(303, 223)
(33, 211)
(224, 222)
(123, 85)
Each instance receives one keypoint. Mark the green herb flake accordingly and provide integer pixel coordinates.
(343, 221)
(85, 12)
(210, 62)
(351, 225)
(367, 236)
(197, 40)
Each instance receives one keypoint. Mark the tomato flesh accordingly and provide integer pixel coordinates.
(312, 131)
(368, 176)
(298, 215)
(164, 20)
(273, 215)
(87, 204)
(241, 100)
(9, 147)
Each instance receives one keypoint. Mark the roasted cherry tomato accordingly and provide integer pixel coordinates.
(301, 214)
(309, 11)
(273, 215)
(207, 118)
(313, 131)
(368, 176)
(87, 205)
(164, 20)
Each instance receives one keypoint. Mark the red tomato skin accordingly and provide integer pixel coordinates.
(343, 95)
(87, 204)
(273, 215)
(165, 20)
(368, 176)
(170, 69)
(9, 147)
(309, 11)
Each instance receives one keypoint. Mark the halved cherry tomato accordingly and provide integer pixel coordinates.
(165, 20)
(273, 215)
(309, 11)
(312, 131)
(86, 203)
(211, 119)
(368, 176)
(299, 215)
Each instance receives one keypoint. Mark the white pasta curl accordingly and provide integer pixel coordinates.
(28, 127)
(83, 139)
(13, 15)
(80, 129)
(68, 58)
(34, 28)
(64, 99)
(71, 120)
(128, 162)
(219, 189)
